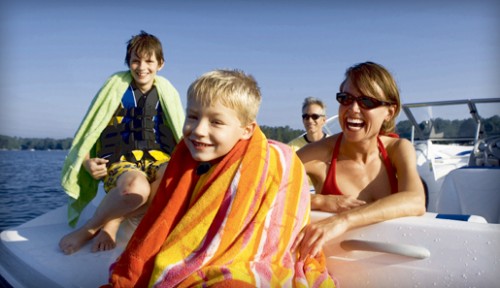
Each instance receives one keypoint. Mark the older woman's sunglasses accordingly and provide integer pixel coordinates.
(365, 102)
(314, 116)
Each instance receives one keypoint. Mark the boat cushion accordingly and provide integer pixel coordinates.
(471, 190)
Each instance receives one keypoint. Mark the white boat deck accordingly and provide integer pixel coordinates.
(460, 254)
(31, 256)
(443, 253)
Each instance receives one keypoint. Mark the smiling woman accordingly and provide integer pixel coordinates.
(369, 175)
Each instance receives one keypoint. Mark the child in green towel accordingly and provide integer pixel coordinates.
(125, 140)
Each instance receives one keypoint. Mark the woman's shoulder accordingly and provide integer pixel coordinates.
(388, 136)
(318, 150)
(390, 140)
(397, 147)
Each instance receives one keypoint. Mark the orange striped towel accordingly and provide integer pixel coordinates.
(232, 226)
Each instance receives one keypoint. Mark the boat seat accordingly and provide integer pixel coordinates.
(471, 190)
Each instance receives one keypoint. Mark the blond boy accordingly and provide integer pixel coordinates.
(229, 205)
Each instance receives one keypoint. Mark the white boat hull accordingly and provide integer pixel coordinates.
(461, 254)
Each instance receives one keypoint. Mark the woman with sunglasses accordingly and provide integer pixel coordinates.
(365, 174)
(313, 118)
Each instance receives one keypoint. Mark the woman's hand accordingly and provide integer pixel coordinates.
(96, 167)
(311, 239)
(334, 203)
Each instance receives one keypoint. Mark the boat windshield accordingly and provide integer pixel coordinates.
(460, 121)
(332, 125)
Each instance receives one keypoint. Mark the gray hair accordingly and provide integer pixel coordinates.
(313, 100)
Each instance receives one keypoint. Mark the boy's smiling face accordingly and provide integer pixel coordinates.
(210, 132)
(144, 69)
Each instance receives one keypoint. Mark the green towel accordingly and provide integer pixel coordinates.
(77, 182)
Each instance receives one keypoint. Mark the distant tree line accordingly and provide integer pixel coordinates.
(17, 143)
(282, 134)
(450, 129)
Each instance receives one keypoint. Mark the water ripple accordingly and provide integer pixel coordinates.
(29, 185)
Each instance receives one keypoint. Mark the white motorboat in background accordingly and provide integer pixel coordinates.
(458, 152)
(460, 167)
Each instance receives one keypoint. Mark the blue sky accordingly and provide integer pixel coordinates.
(55, 55)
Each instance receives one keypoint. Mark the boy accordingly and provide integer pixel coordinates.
(125, 139)
(230, 202)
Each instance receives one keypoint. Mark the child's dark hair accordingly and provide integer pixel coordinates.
(144, 44)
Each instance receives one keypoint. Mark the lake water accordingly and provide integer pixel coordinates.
(29, 185)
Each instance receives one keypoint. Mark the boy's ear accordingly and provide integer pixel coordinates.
(248, 130)
(161, 65)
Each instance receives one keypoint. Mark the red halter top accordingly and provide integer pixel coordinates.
(330, 186)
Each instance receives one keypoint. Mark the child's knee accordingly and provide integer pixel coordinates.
(135, 184)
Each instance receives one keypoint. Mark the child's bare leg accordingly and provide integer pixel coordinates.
(131, 192)
(153, 188)
(74, 240)
(106, 238)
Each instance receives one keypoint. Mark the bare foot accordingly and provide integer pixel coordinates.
(106, 238)
(73, 241)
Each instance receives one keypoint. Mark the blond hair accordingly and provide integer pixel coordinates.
(232, 88)
(314, 101)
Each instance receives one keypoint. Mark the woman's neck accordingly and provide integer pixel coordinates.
(360, 151)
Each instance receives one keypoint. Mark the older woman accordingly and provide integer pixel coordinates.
(365, 174)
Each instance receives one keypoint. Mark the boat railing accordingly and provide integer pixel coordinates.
(416, 130)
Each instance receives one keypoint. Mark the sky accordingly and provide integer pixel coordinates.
(55, 55)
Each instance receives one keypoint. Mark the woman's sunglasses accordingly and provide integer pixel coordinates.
(314, 116)
(365, 102)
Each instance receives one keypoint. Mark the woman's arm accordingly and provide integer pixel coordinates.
(334, 203)
(409, 201)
